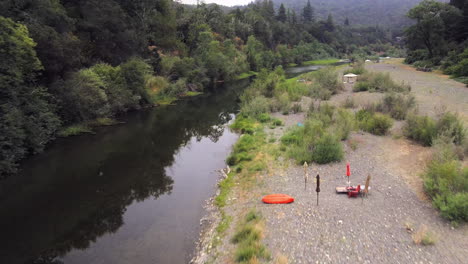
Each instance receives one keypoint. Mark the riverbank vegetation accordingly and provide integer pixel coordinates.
(439, 37)
(67, 63)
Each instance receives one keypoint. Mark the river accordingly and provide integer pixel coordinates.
(131, 193)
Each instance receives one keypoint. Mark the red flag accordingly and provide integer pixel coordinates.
(348, 171)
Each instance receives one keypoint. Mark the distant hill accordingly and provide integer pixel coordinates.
(387, 13)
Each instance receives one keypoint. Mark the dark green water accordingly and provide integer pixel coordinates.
(132, 193)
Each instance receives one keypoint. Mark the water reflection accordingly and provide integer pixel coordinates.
(80, 189)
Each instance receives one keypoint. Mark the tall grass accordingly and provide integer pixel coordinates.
(248, 239)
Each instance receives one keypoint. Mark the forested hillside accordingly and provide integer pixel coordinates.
(67, 65)
(386, 13)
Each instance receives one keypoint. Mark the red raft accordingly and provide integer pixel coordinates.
(277, 199)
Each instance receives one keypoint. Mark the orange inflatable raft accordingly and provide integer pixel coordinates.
(277, 199)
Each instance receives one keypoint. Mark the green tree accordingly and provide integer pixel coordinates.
(330, 24)
(27, 119)
(282, 13)
(433, 19)
(308, 12)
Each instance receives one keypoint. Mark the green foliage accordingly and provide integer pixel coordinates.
(254, 108)
(27, 116)
(374, 123)
(379, 82)
(327, 149)
(74, 130)
(248, 238)
(358, 68)
(319, 139)
(327, 78)
(244, 125)
(420, 128)
(423, 129)
(396, 105)
(446, 182)
(450, 125)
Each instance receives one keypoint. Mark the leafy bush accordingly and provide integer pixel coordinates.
(349, 103)
(284, 104)
(296, 108)
(255, 107)
(318, 140)
(264, 118)
(374, 123)
(424, 129)
(361, 86)
(327, 149)
(344, 123)
(449, 124)
(396, 105)
(379, 82)
(358, 68)
(421, 129)
(327, 78)
(446, 182)
(244, 125)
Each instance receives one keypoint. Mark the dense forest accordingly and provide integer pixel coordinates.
(385, 13)
(439, 39)
(66, 65)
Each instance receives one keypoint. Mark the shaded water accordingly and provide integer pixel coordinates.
(132, 193)
(298, 70)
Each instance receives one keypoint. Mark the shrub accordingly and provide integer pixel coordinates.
(447, 184)
(379, 82)
(264, 118)
(358, 68)
(244, 125)
(276, 122)
(327, 149)
(296, 108)
(255, 107)
(396, 105)
(424, 129)
(361, 86)
(284, 103)
(327, 79)
(450, 124)
(248, 237)
(420, 128)
(374, 123)
(344, 123)
(349, 103)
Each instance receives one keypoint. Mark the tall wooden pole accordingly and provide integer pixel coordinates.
(306, 175)
(318, 188)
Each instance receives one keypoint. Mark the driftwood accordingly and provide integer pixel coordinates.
(424, 69)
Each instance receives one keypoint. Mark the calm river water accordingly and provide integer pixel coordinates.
(132, 193)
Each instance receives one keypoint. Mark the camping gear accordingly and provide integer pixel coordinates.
(346, 189)
(354, 192)
(277, 199)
